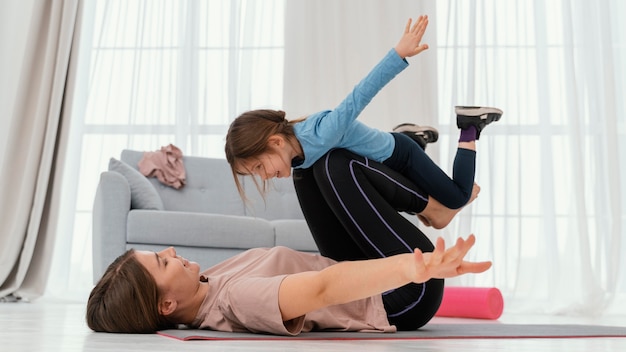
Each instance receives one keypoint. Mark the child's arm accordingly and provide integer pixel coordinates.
(353, 280)
(334, 123)
(409, 44)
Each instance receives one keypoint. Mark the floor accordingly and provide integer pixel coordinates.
(59, 326)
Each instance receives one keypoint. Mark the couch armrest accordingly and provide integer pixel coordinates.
(110, 214)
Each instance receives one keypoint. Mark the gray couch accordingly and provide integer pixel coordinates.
(206, 220)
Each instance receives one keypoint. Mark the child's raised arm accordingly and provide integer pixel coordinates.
(353, 280)
(409, 44)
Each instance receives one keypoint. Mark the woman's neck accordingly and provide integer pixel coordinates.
(188, 311)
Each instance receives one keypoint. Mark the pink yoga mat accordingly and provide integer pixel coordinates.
(471, 302)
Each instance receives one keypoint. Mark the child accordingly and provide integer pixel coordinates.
(264, 143)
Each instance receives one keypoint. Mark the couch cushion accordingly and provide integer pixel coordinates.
(143, 195)
(209, 189)
(280, 202)
(294, 234)
(170, 228)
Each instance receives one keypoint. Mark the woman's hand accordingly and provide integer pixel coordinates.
(446, 263)
(349, 281)
(409, 45)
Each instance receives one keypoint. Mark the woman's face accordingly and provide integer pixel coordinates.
(174, 275)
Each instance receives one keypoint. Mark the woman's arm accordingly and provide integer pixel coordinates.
(353, 280)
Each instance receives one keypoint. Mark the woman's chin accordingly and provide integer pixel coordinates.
(194, 267)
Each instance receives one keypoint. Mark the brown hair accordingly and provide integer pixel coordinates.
(125, 299)
(247, 138)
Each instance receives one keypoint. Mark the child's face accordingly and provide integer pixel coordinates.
(275, 162)
(268, 165)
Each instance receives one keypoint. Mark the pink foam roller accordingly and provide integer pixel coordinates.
(471, 302)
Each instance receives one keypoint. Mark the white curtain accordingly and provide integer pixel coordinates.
(551, 211)
(551, 214)
(151, 73)
(35, 40)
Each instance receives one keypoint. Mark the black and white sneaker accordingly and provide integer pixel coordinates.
(477, 116)
(421, 134)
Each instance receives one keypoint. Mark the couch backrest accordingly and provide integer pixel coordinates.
(281, 202)
(210, 188)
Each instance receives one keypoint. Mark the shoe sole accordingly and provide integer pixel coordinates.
(430, 133)
(476, 110)
(477, 116)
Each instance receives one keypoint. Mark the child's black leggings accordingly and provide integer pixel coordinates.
(351, 205)
(410, 160)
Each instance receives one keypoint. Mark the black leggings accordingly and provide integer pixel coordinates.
(351, 205)
(410, 160)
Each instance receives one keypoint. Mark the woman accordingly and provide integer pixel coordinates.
(384, 281)
(276, 290)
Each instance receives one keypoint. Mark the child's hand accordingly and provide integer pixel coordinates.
(442, 263)
(409, 45)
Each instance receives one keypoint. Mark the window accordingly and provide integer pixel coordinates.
(551, 214)
(155, 72)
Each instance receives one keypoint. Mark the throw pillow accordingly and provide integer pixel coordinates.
(142, 193)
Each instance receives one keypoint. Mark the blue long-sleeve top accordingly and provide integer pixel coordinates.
(338, 128)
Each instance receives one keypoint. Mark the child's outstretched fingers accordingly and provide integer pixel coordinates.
(407, 28)
(409, 44)
(420, 26)
(418, 31)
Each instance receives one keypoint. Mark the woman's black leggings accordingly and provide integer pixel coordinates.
(351, 205)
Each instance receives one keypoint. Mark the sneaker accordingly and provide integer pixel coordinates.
(420, 134)
(477, 116)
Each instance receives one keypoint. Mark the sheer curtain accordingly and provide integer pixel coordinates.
(552, 208)
(154, 72)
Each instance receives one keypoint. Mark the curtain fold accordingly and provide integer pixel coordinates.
(40, 43)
